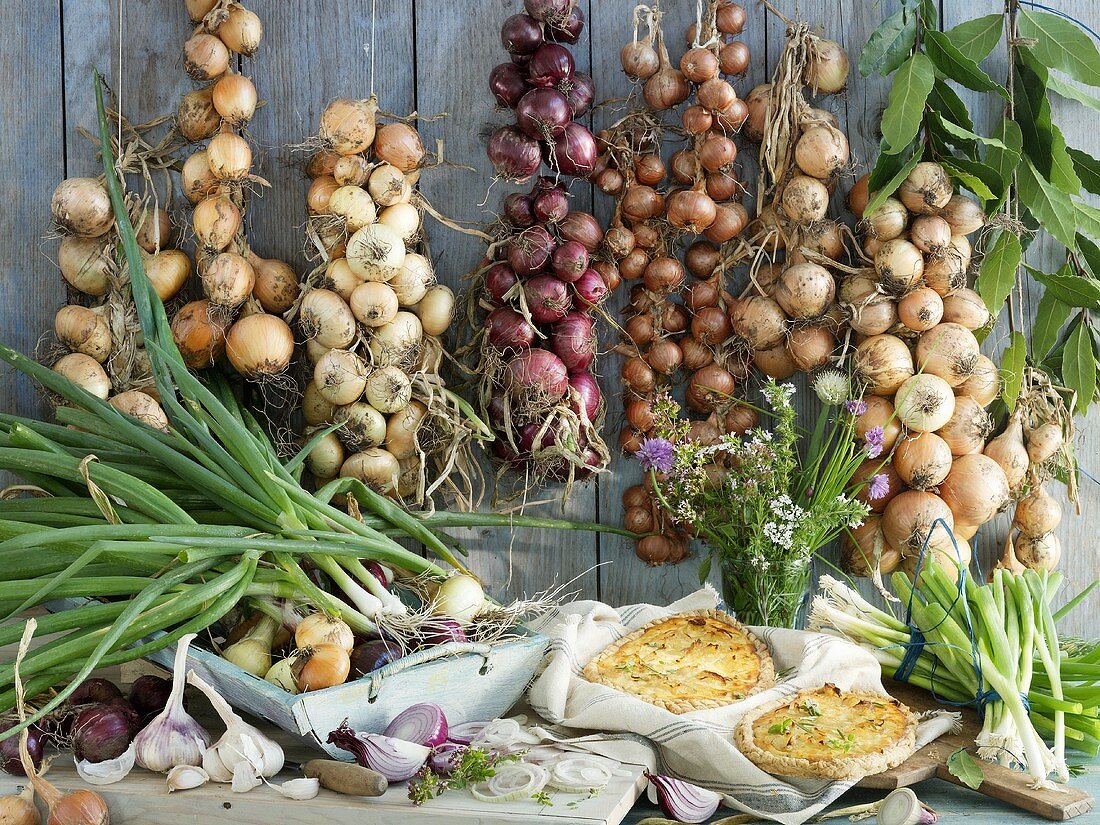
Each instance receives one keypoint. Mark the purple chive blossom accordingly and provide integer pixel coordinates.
(874, 438)
(655, 454)
(879, 486)
(856, 407)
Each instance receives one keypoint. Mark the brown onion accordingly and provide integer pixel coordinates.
(702, 258)
(883, 363)
(733, 58)
(699, 64)
(810, 347)
(641, 203)
(949, 351)
(760, 321)
(691, 210)
(665, 356)
(710, 326)
(664, 275)
(984, 383)
(639, 60)
(914, 519)
(696, 355)
(921, 309)
(729, 221)
(965, 307)
(758, 101)
(975, 489)
(775, 362)
(879, 413)
(922, 460)
(729, 18)
(638, 376)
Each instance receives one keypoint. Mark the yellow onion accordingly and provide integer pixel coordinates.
(83, 330)
(142, 406)
(900, 266)
(859, 195)
(320, 628)
(374, 303)
(822, 151)
(967, 429)
(887, 221)
(1039, 552)
(413, 279)
(924, 403)
(921, 309)
(397, 342)
(85, 265)
(949, 351)
(340, 279)
(376, 252)
(1038, 513)
(436, 310)
(984, 384)
(316, 409)
(879, 413)
(914, 518)
(926, 190)
(883, 363)
(760, 321)
(810, 347)
(805, 291)
(375, 467)
(229, 157)
(216, 220)
(276, 285)
(402, 218)
(965, 307)
(196, 178)
(196, 117)
(340, 376)
(1009, 452)
(963, 214)
(347, 126)
(324, 317)
(387, 185)
(241, 31)
(922, 460)
(402, 427)
(198, 9)
(199, 331)
(81, 206)
(399, 145)
(85, 372)
(775, 362)
(361, 425)
(827, 68)
(326, 457)
(804, 199)
(388, 389)
(260, 345)
(353, 170)
(228, 279)
(320, 193)
(154, 230)
(354, 205)
(857, 549)
(975, 489)
(205, 57)
(234, 97)
(321, 666)
(1044, 442)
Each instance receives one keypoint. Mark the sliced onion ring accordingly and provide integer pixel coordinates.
(465, 733)
(581, 774)
(515, 780)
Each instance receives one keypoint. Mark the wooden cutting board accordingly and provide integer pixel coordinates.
(1000, 782)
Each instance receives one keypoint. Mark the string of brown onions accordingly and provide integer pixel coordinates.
(97, 333)
(676, 334)
(542, 87)
(912, 319)
(371, 315)
(534, 343)
(239, 317)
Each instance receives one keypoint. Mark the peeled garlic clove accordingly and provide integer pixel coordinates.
(299, 788)
(185, 777)
(109, 771)
(244, 778)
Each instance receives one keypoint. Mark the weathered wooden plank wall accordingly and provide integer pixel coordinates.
(432, 56)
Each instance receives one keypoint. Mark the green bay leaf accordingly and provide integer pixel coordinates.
(1069, 287)
(1079, 365)
(1012, 379)
(1087, 168)
(1050, 316)
(976, 38)
(1062, 45)
(957, 66)
(1050, 205)
(893, 173)
(1070, 91)
(997, 274)
(889, 45)
(904, 112)
(965, 768)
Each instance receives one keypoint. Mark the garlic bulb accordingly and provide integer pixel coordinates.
(173, 738)
(240, 744)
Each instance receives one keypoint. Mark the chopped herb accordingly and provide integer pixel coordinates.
(476, 765)
(810, 708)
(843, 741)
(783, 727)
(543, 798)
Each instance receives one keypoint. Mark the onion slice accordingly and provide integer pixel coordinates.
(503, 736)
(464, 734)
(423, 724)
(683, 801)
(581, 774)
(513, 781)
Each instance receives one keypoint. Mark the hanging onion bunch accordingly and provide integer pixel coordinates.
(239, 319)
(548, 96)
(372, 316)
(533, 338)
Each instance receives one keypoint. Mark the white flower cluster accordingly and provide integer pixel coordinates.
(778, 395)
(789, 515)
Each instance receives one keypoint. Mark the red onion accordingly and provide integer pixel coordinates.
(514, 155)
(508, 83)
(517, 210)
(101, 732)
(546, 182)
(573, 152)
(395, 759)
(446, 758)
(568, 30)
(569, 261)
(587, 393)
(422, 723)
(508, 330)
(546, 437)
(573, 340)
(149, 695)
(583, 228)
(550, 65)
(503, 451)
(537, 371)
(9, 750)
(547, 298)
(551, 206)
(683, 801)
(445, 631)
(543, 113)
(579, 92)
(383, 574)
(592, 460)
(547, 10)
(498, 407)
(499, 278)
(94, 691)
(373, 655)
(529, 252)
(521, 34)
(465, 733)
(591, 289)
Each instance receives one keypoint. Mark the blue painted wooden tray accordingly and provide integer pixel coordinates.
(471, 682)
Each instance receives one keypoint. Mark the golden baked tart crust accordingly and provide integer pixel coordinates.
(827, 733)
(690, 661)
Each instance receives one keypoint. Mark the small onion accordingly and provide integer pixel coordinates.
(805, 291)
(827, 69)
(86, 372)
(199, 332)
(397, 342)
(376, 252)
(963, 214)
(923, 460)
(924, 403)
(348, 126)
(326, 458)
(975, 489)
(215, 220)
(965, 307)
(879, 413)
(241, 31)
(205, 57)
(914, 519)
(375, 467)
(81, 207)
(949, 351)
(340, 376)
(887, 221)
(810, 347)
(1038, 513)
(276, 285)
(884, 363)
(85, 265)
(967, 429)
(984, 384)
(1009, 452)
(1041, 552)
(436, 310)
(260, 346)
(760, 321)
(234, 98)
(362, 426)
(926, 190)
(900, 266)
(388, 389)
(83, 330)
(399, 145)
(804, 199)
(822, 152)
(921, 309)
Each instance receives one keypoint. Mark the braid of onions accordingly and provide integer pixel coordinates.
(175, 527)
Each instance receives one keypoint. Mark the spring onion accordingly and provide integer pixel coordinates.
(177, 526)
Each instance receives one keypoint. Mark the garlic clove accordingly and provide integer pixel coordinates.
(185, 777)
(301, 788)
(214, 767)
(244, 777)
(107, 772)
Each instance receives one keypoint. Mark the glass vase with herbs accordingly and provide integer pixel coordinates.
(762, 507)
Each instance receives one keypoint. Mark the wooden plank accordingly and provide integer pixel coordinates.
(33, 157)
(454, 55)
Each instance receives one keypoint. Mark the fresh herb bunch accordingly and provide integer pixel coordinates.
(763, 509)
(475, 765)
(1027, 178)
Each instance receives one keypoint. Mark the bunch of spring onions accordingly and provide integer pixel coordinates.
(174, 527)
(979, 638)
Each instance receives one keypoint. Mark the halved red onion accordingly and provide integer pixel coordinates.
(551, 205)
(590, 289)
(423, 723)
(548, 298)
(508, 83)
(508, 330)
(573, 152)
(521, 34)
(529, 252)
(514, 155)
(543, 113)
(517, 210)
(538, 373)
(583, 228)
(395, 759)
(683, 801)
(550, 65)
(579, 91)
(587, 390)
(569, 261)
(567, 30)
(573, 340)
(500, 278)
